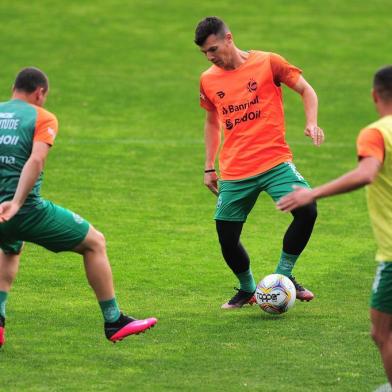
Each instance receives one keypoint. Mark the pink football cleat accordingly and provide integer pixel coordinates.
(126, 326)
(2, 331)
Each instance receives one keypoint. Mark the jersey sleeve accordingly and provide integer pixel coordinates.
(370, 143)
(205, 103)
(46, 127)
(283, 71)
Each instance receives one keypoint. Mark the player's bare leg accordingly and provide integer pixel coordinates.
(9, 264)
(382, 335)
(99, 275)
(96, 263)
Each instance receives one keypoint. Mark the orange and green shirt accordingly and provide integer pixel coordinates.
(22, 124)
(249, 104)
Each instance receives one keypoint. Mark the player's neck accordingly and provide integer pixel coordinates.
(237, 59)
(23, 97)
(384, 109)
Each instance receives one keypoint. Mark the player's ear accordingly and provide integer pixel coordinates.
(374, 95)
(229, 37)
(36, 94)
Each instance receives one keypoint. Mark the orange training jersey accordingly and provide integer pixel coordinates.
(250, 108)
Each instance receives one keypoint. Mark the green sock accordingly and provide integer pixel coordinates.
(3, 300)
(247, 283)
(110, 310)
(286, 264)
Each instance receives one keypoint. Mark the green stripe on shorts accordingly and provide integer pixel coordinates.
(381, 297)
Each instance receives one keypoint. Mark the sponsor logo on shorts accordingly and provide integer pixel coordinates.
(7, 160)
(77, 218)
(8, 139)
(219, 203)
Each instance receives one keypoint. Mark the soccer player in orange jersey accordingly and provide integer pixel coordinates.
(242, 95)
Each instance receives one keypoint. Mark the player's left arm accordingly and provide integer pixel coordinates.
(364, 174)
(310, 101)
(30, 173)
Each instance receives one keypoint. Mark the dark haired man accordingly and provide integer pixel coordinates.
(241, 92)
(27, 131)
(374, 150)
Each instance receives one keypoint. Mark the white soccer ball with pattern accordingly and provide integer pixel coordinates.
(275, 294)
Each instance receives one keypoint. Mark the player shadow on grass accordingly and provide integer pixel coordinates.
(292, 317)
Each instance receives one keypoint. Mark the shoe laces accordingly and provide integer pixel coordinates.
(297, 285)
(240, 296)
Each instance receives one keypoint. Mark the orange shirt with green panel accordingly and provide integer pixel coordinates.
(249, 104)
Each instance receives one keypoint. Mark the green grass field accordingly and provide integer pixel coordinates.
(129, 158)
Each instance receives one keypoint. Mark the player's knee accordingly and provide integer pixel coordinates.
(380, 336)
(228, 239)
(228, 233)
(377, 337)
(312, 211)
(306, 213)
(95, 241)
(228, 245)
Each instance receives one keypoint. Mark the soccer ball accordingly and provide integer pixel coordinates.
(275, 294)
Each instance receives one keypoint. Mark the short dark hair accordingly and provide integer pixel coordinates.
(28, 79)
(382, 83)
(208, 26)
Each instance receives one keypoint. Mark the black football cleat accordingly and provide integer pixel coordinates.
(240, 299)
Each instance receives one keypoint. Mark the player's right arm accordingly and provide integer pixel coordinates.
(30, 173)
(370, 146)
(364, 174)
(212, 138)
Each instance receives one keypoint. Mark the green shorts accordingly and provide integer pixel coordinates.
(381, 298)
(237, 197)
(51, 226)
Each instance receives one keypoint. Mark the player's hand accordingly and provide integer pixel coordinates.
(315, 133)
(8, 209)
(298, 198)
(211, 182)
